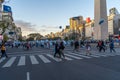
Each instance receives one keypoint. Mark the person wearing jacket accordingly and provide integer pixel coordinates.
(3, 51)
(57, 51)
(112, 46)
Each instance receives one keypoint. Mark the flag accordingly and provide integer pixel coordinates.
(101, 21)
(7, 8)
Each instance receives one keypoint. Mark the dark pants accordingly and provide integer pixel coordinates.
(3, 53)
(101, 48)
(112, 49)
(61, 53)
(57, 52)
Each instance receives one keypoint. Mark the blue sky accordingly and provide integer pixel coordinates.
(46, 16)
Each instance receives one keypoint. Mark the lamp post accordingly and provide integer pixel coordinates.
(61, 31)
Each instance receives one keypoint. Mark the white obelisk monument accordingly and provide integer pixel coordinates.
(101, 20)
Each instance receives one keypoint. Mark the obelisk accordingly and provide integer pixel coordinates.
(100, 13)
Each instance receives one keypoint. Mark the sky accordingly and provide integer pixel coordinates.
(45, 16)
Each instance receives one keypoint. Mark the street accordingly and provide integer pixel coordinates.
(39, 64)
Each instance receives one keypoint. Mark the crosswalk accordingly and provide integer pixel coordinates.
(47, 58)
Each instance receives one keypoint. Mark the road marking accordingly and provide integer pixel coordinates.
(2, 59)
(112, 54)
(28, 76)
(67, 58)
(21, 61)
(79, 55)
(56, 59)
(103, 55)
(73, 56)
(44, 59)
(10, 62)
(94, 56)
(33, 60)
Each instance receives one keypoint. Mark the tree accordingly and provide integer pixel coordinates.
(35, 36)
(66, 38)
(5, 37)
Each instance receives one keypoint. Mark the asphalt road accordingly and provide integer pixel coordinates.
(99, 66)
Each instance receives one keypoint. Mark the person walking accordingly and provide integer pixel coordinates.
(61, 48)
(88, 48)
(101, 46)
(57, 51)
(3, 51)
(112, 46)
(76, 46)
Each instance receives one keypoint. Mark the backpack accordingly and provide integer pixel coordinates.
(99, 43)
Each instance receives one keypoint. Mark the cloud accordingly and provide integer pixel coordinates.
(44, 29)
(26, 27)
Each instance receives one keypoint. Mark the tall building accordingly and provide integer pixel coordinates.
(1, 1)
(113, 22)
(76, 26)
(100, 13)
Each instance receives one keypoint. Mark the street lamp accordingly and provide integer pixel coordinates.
(61, 31)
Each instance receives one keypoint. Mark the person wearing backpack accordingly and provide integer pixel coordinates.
(61, 48)
(57, 51)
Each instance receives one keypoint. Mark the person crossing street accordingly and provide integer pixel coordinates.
(3, 51)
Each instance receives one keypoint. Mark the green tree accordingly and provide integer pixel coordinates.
(5, 37)
(35, 36)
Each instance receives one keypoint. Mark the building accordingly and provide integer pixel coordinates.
(113, 22)
(77, 27)
(7, 25)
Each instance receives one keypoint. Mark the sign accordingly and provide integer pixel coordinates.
(11, 33)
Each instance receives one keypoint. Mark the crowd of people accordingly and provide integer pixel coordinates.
(60, 45)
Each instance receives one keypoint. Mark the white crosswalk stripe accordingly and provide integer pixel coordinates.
(10, 62)
(2, 59)
(103, 55)
(33, 60)
(67, 58)
(44, 59)
(21, 61)
(48, 58)
(96, 56)
(56, 59)
(73, 56)
(79, 55)
(112, 54)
